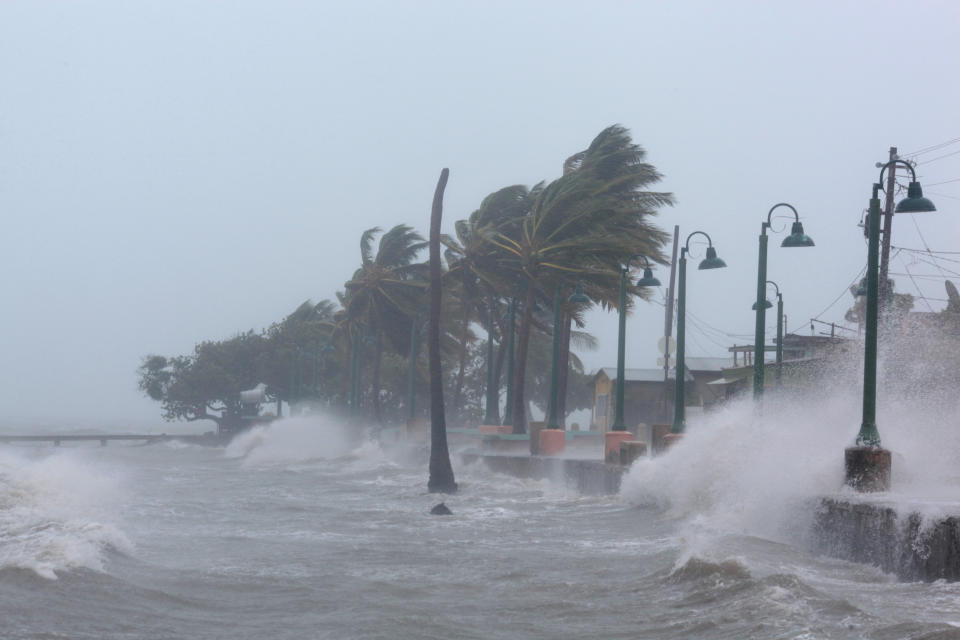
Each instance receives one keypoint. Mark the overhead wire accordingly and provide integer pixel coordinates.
(934, 147)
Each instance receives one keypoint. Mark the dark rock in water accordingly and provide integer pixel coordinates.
(441, 510)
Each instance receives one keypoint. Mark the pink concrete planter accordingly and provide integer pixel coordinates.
(611, 451)
(552, 441)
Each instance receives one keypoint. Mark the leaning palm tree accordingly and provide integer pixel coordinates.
(581, 227)
(384, 292)
(441, 471)
(471, 258)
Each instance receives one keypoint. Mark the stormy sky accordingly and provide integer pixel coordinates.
(178, 171)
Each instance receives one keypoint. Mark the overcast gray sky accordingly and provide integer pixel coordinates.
(178, 171)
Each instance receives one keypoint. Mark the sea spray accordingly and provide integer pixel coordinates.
(292, 440)
(57, 513)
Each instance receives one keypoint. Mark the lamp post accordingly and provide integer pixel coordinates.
(710, 262)
(797, 238)
(867, 464)
(767, 305)
(619, 423)
(578, 297)
(491, 416)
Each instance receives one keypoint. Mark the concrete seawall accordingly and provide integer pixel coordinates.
(589, 477)
(896, 539)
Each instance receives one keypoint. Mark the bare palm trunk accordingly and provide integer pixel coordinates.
(520, 365)
(378, 359)
(564, 369)
(458, 388)
(441, 472)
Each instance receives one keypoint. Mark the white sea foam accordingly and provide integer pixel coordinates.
(57, 513)
(298, 439)
(739, 471)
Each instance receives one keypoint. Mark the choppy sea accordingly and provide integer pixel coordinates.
(298, 530)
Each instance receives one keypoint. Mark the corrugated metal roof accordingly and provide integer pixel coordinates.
(638, 375)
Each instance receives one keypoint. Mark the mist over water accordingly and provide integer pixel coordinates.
(306, 528)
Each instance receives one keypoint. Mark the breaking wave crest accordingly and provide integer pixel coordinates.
(299, 440)
(56, 514)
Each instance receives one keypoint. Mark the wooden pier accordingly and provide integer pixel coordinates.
(206, 439)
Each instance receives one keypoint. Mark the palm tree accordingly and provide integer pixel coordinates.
(582, 226)
(441, 472)
(472, 261)
(384, 292)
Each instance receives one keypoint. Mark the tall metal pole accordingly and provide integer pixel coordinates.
(759, 337)
(885, 292)
(511, 317)
(552, 422)
(668, 318)
(869, 436)
(779, 340)
(679, 422)
(619, 423)
(490, 416)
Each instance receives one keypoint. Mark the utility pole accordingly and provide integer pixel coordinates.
(885, 292)
(668, 320)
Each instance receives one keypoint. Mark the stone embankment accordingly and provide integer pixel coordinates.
(897, 539)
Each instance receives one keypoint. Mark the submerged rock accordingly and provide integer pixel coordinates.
(441, 510)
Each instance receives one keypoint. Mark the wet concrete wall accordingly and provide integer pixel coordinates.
(899, 543)
(589, 477)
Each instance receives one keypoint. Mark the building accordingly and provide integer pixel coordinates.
(647, 400)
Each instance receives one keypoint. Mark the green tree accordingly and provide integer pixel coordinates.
(581, 227)
(385, 293)
(206, 384)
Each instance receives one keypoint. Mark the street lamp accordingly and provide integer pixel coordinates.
(710, 262)
(797, 238)
(578, 297)
(867, 464)
(767, 305)
(619, 423)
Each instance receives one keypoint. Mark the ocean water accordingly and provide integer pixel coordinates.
(299, 530)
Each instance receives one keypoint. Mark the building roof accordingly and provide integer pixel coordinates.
(638, 375)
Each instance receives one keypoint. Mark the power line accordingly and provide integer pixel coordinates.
(933, 147)
(949, 253)
(946, 155)
(944, 182)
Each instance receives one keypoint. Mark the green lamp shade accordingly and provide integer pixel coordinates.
(766, 305)
(915, 202)
(579, 297)
(648, 280)
(712, 261)
(797, 237)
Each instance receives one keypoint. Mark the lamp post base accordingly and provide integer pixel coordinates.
(631, 450)
(671, 439)
(552, 441)
(613, 439)
(867, 468)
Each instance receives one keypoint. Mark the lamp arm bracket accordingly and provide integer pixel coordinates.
(892, 163)
(796, 215)
(686, 247)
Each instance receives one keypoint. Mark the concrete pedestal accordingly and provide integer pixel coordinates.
(867, 468)
(630, 450)
(657, 432)
(535, 428)
(494, 429)
(611, 452)
(552, 441)
(671, 439)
